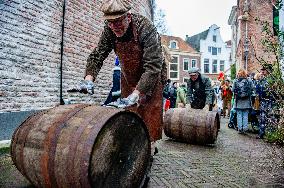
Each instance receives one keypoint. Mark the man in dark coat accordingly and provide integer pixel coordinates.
(136, 42)
(199, 90)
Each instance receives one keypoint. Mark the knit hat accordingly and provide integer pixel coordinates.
(113, 9)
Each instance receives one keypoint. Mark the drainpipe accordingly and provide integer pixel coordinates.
(246, 34)
(61, 54)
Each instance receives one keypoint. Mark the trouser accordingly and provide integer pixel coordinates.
(226, 105)
(265, 106)
(242, 119)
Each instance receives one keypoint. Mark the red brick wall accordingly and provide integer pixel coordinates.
(30, 37)
(261, 9)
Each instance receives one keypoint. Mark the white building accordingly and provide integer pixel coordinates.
(215, 53)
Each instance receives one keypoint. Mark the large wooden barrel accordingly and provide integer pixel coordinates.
(195, 126)
(82, 145)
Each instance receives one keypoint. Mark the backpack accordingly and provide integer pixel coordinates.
(242, 89)
(173, 92)
(166, 91)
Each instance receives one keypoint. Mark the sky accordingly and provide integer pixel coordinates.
(190, 17)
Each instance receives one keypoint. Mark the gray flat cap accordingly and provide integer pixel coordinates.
(113, 9)
(193, 70)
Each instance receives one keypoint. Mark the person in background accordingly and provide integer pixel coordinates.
(265, 99)
(115, 91)
(243, 89)
(166, 92)
(137, 44)
(255, 101)
(199, 90)
(227, 95)
(181, 96)
(218, 96)
(173, 95)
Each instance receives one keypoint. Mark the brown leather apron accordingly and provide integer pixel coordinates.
(150, 108)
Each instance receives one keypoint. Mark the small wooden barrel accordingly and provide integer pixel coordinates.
(195, 126)
(80, 145)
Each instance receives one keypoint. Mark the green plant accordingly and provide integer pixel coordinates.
(275, 136)
(272, 42)
(233, 71)
(4, 150)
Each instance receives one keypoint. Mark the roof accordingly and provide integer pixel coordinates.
(194, 40)
(182, 45)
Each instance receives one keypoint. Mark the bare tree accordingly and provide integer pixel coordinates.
(160, 20)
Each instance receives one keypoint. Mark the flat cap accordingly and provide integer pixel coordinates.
(193, 70)
(113, 9)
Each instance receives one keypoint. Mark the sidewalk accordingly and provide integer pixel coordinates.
(235, 161)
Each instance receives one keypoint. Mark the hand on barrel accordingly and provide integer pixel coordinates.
(128, 101)
(131, 99)
(85, 86)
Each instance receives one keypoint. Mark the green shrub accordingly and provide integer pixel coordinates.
(4, 150)
(276, 136)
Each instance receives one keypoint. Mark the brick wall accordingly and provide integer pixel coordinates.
(261, 9)
(30, 38)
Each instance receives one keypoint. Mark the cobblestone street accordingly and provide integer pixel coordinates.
(235, 161)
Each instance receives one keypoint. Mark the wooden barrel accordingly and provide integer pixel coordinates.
(195, 126)
(82, 145)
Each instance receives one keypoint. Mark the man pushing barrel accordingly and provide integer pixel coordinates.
(136, 42)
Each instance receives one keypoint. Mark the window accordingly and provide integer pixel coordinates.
(209, 48)
(174, 68)
(214, 38)
(193, 63)
(214, 66)
(214, 51)
(222, 65)
(185, 79)
(185, 64)
(206, 65)
(219, 50)
(173, 44)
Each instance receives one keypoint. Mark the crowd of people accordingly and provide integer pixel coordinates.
(243, 100)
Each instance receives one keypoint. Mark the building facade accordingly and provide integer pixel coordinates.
(183, 57)
(215, 53)
(247, 33)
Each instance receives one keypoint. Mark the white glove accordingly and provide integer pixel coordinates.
(128, 101)
(85, 86)
(133, 97)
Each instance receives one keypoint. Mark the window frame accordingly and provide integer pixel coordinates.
(223, 65)
(172, 57)
(195, 63)
(188, 66)
(215, 64)
(214, 38)
(173, 41)
(207, 63)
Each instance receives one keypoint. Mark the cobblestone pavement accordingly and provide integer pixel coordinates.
(235, 161)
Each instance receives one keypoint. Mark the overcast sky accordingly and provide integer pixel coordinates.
(189, 17)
